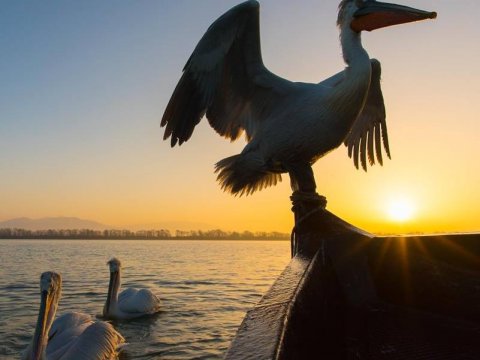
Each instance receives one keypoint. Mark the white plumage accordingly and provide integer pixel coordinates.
(130, 303)
(289, 125)
(72, 336)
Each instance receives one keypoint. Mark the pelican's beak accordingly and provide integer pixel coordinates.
(45, 313)
(375, 15)
(111, 290)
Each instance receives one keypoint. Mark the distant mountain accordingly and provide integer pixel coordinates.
(55, 223)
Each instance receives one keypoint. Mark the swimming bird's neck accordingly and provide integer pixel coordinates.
(112, 296)
(46, 314)
(116, 287)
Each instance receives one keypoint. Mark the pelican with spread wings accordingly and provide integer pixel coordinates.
(288, 125)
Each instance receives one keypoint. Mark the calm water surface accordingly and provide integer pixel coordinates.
(205, 287)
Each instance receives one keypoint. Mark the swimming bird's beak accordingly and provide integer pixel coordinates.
(111, 290)
(45, 313)
(374, 15)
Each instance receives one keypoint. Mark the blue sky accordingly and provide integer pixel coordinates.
(85, 83)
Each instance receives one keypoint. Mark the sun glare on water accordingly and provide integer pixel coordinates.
(400, 209)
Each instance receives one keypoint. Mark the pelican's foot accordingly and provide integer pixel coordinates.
(305, 204)
(307, 207)
(310, 200)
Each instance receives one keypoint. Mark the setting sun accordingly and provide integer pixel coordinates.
(400, 209)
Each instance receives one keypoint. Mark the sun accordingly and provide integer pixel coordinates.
(400, 209)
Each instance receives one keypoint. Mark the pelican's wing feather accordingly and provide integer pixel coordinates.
(225, 79)
(139, 302)
(369, 130)
(68, 321)
(127, 294)
(99, 341)
(76, 336)
(65, 331)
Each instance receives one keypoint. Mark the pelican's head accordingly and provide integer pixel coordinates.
(113, 286)
(114, 264)
(50, 290)
(370, 14)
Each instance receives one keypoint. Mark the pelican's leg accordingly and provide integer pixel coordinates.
(303, 186)
(307, 205)
(301, 178)
(304, 197)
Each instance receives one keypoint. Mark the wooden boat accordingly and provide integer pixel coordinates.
(347, 294)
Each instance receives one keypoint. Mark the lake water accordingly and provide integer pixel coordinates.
(205, 286)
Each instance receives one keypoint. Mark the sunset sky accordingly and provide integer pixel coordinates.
(84, 85)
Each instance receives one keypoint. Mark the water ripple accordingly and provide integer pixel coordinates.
(205, 286)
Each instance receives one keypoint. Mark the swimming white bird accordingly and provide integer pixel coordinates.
(131, 303)
(71, 336)
(288, 125)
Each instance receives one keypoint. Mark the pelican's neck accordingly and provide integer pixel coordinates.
(116, 287)
(112, 296)
(347, 97)
(354, 55)
(46, 314)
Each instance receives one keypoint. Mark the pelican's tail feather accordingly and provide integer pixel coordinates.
(244, 174)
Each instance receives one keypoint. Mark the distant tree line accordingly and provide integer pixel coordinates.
(9, 233)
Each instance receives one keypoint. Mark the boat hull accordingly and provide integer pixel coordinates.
(347, 294)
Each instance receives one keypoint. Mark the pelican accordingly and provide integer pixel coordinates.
(288, 125)
(131, 303)
(71, 336)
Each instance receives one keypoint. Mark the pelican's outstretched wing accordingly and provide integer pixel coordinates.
(370, 129)
(225, 79)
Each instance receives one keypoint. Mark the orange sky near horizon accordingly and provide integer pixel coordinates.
(91, 146)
